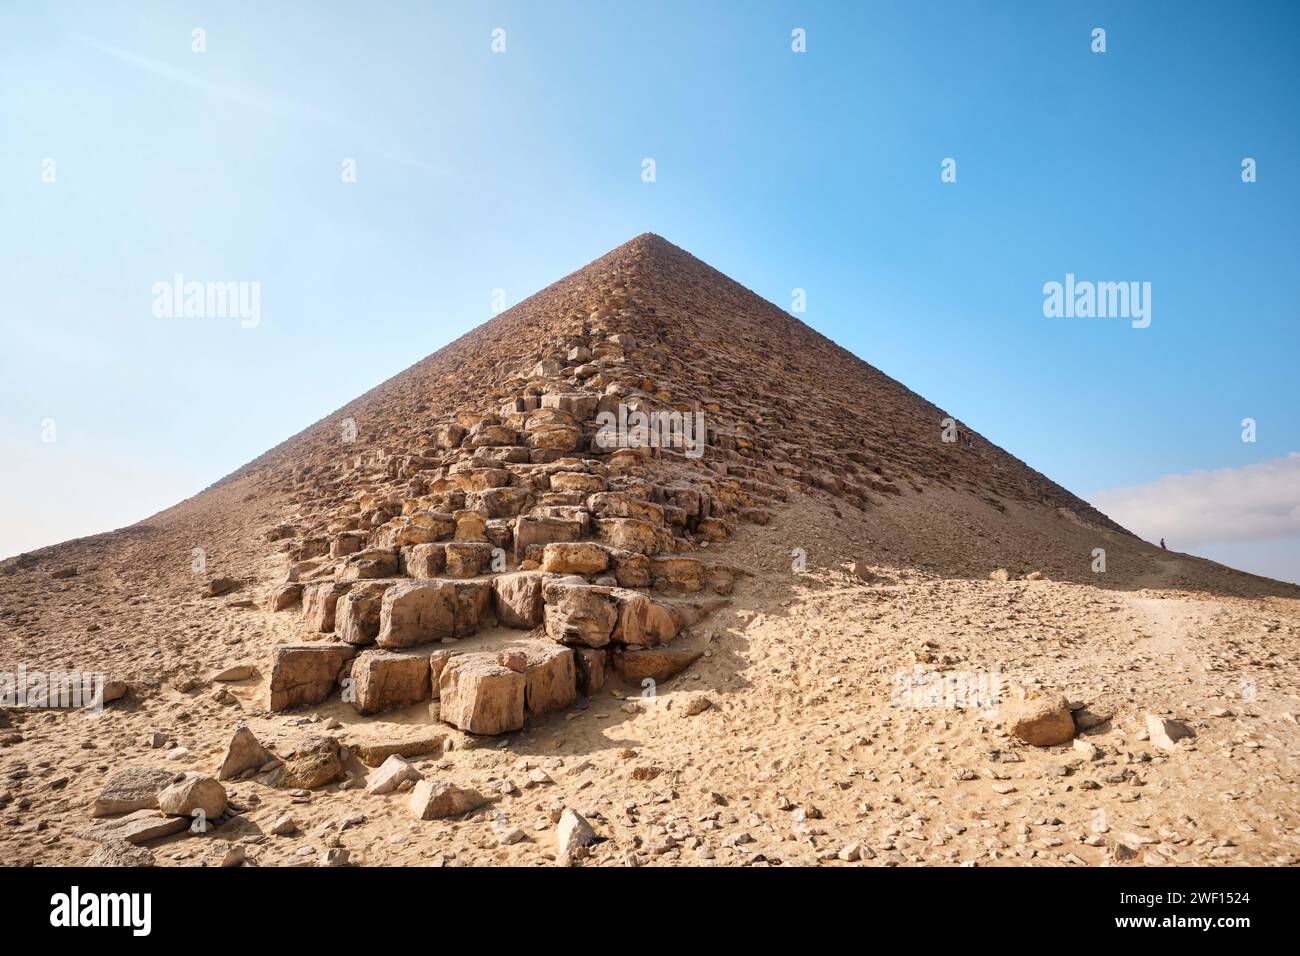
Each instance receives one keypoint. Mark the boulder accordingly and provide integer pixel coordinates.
(384, 680)
(319, 602)
(284, 596)
(642, 621)
(574, 557)
(304, 674)
(467, 559)
(392, 774)
(550, 679)
(114, 852)
(517, 599)
(543, 530)
(1165, 733)
(314, 763)
(136, 828)
(1040, 721)
(436, 799)
(656, 663)
(674, 574)
(628, 534)
(244, 753)
(416, 613)
(219, 586)
(426, 560)
(371, 563)
(573, 837)
(135, 788)
(479, 696)
(192, 795)
(579, 615)
(356, 617)
(373, 753)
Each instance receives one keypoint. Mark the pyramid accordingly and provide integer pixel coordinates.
(553, 511)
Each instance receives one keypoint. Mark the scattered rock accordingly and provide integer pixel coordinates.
(573, 836)
(435, 799)
(135, 788)
(1040, 721)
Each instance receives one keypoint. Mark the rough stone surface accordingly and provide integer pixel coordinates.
(479, 696)
(436, 799)
(383, 680)
(135, 788)
(305, 674)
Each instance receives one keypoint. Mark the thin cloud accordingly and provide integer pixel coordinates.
(1251, 503)
(271, 104)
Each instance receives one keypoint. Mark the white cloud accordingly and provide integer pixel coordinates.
(1251, 503)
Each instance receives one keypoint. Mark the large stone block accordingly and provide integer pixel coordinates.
(467, 559)
(579, 615)
(356, 617)
(319, 602)
(577, 481)
(500, 502)
(384, 680)
(674, 574)
(417, 613)
(474, 611)
(543, 530)
(628, 534)
(581, 405)
(631, 570)
(518, 598)
(304, 674)
(550, 679)
(371, 563)
(642, 621)
(653, 663)
(574, 557)
(614, 504)
(424, 527)
(426, 560)
(480, 696)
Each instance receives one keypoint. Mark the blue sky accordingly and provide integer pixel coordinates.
(479, 170)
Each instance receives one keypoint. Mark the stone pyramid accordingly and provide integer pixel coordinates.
(563, 470)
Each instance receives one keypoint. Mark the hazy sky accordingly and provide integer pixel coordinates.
(127, 157)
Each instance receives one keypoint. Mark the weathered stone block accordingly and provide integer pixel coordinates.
(303, 674)
(417, 613)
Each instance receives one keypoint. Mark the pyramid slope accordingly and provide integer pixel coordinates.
(706, 342)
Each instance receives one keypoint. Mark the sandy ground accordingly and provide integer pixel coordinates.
(809, 753)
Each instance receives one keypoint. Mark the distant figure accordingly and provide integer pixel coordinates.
(1162, 544)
